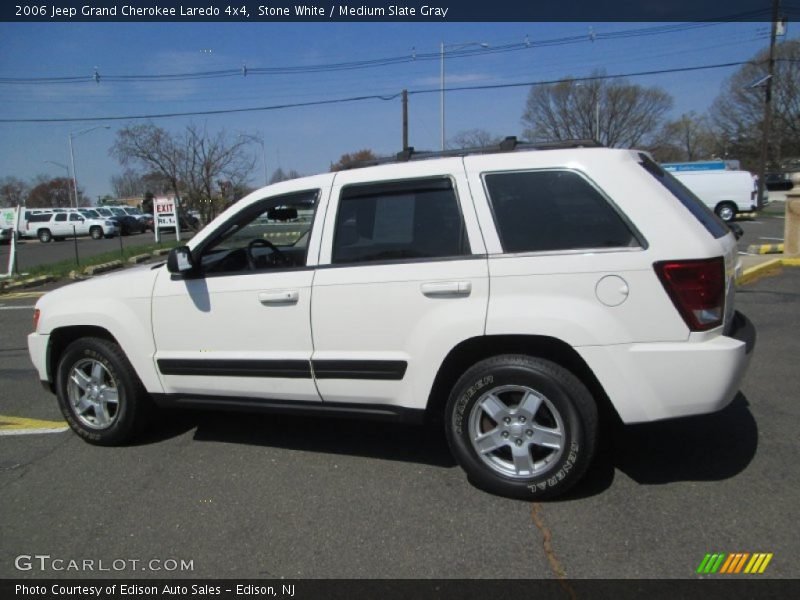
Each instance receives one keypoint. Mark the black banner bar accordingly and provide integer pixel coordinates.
(372, 10)
(731, 588)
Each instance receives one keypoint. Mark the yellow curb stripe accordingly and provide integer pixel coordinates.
(765, 563)
(24, 426)
(16, 295)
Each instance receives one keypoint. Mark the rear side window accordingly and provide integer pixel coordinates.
(39, 218)
(395, 221)
(537, 211)
(61, 217)
(713, 224)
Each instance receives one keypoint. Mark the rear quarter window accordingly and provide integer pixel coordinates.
(713, 224)
(553, 210)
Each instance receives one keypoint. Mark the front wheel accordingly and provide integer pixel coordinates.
(521, 426)
(99, 392)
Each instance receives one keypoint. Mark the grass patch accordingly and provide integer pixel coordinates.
(63, 267)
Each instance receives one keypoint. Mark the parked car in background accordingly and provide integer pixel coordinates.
(129, 225)
(60, 225)
(778, 182)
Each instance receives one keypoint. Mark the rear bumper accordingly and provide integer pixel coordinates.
(651, 382)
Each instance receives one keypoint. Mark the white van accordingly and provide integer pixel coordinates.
(724, 192)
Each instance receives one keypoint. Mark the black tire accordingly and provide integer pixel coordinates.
(726, 211)
(563, 413)
(133, 406)
(96, 232)
(44, 235)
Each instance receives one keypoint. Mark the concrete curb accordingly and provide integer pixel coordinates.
(26, 283)
(746, 215)
(161, 251)
(102, 268)
(765, 249)
(766, 269)
(139, 258)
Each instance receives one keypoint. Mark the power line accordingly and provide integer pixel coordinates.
(378, 97)
(378, 62)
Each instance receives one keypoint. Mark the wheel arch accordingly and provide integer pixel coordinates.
(62, 337)
(472, 350)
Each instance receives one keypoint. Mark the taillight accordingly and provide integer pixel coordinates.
(697, 289)
(36, 319)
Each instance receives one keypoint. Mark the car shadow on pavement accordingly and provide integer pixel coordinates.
(709, 447)
(353, 437)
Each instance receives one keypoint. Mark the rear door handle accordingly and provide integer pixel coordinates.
(279, 297)
(439, 289)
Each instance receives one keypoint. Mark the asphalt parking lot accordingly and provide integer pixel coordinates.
(250, 497)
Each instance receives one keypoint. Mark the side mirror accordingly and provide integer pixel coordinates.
(180, 260)
(738, 232)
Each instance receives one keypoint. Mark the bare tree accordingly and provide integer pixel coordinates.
(211, 158)
(474, 138)
(191, 162)
(612, 111)
(279, 175)
(347, 159)
(55, 192)
(738, 112)
(13, 191)
(687, 138)
(152, 148)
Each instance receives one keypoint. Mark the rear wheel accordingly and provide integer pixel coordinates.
(99, 393)
(726, 211)
(521, 426)
(44, 235)
(96, 233)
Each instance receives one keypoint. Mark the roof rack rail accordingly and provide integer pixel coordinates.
(509, 144)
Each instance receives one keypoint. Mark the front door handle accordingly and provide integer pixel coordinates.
(279, 297)
(446, 289)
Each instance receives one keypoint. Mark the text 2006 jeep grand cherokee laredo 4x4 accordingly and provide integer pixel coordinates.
(511, 291)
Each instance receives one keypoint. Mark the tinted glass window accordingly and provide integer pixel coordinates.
(61, 217)
(553, 210)
(39, 218)
(713, 224)
(74, 217)
(396, 221)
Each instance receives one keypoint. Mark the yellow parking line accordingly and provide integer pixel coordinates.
(24, 426)
(17, 295)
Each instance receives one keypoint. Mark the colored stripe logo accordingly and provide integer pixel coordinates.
(734, 563)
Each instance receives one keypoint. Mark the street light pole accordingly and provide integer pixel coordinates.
(71, 135)
(264, 159)
(442, 49)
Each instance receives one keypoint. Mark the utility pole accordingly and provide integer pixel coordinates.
(767, 127)
(405, 120)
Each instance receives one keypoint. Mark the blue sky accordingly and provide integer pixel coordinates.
(308, 139)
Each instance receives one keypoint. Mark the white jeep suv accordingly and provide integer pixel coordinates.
(512, 293)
